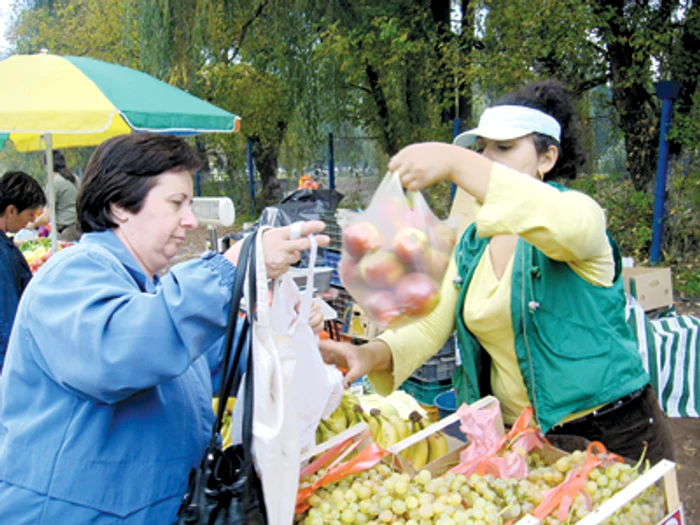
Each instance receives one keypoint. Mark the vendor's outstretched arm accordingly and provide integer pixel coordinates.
(357, 360)
(420, 165)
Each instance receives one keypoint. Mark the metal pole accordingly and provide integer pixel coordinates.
(667, 91)
(455, 131)
(251, 178)
(331, 164)
(197, 184)
(48, 141)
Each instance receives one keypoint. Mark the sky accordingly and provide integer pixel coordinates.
(5, 8)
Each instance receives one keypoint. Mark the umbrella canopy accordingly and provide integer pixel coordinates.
(49, 101)
(81, 101)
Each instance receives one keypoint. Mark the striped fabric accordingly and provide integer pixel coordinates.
(670, 349)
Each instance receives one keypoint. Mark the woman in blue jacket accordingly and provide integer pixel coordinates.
(106, 392)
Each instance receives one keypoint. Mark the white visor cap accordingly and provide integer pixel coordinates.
(508, 123)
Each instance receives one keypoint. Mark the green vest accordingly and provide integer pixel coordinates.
(574, 348)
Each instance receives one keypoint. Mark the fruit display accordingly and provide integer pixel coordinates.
(395, 255)
(387, 427)
(37, 251)
(383, 495)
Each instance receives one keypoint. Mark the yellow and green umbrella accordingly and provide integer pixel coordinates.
(49, 101)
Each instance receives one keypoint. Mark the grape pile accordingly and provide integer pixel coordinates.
(381, 495)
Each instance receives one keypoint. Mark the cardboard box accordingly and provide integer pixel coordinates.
(652, 287)
(357, 324)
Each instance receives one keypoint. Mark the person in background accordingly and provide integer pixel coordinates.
(107, 401)
(534, 290)
(65, 186)
(21, 201)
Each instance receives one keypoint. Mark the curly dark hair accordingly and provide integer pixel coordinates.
(553, 98)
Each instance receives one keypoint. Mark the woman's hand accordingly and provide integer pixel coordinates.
(420, 165)
(357, 360)
(316, 319)
(282, 247)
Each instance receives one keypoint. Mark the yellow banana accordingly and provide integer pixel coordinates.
(371, 422)
(339, 418)
(230, 403)
(379, 437)
(335, 426)
(389, 409)
(325, 431)
(389, 434)
(418, 453)
(215, 404)
(437, 443)
(400, 425)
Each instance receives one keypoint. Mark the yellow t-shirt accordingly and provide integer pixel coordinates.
(566, 226)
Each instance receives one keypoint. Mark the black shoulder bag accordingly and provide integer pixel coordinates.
(225, 489)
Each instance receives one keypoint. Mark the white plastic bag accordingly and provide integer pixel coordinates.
(293, 388)
(317, 387)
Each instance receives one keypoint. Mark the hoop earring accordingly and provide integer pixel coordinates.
(540, 175)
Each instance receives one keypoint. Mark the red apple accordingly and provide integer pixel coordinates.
(409, 245)
(349, 273)
(361, 238)
(417, 294)
(381, 269)
(381, 307)
(445, 237)
(436, 263)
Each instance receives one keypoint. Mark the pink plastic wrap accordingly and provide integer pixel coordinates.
(395, 254)
(488, 452)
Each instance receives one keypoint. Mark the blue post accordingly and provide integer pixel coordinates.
(667, 91)
(251, 178)
(455, 131)
(331, 163)
(197, 184)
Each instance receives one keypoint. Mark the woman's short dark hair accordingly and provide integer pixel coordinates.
(21, 190)
(553, 98)
(122, 170)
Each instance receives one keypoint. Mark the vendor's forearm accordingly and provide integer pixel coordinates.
(471, 172)
(380, 355)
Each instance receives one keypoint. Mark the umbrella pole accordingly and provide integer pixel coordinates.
(52, 198)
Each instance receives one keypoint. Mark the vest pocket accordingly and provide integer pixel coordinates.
(572, 340)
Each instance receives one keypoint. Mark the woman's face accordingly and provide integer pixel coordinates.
(518, 154)
(155, 233)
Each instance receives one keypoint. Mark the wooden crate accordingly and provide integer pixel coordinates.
(664, 470)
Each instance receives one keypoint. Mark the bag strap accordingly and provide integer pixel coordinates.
(230, 372)
(248, 407)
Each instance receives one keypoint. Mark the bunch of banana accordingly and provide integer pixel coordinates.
(428, 449)
(343, 417)
(387, 428)
(226, 421)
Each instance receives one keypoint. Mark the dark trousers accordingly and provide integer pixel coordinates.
(623, 427)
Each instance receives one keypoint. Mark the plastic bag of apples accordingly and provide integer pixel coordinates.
(394, 255)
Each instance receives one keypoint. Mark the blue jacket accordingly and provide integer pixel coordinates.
(14, 277)
(105, 400)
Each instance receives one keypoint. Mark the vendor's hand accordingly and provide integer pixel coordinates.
(357, 360)
(420, 165)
